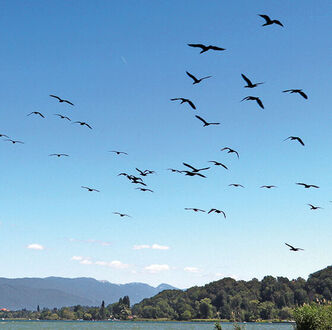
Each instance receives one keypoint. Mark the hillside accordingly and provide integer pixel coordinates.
(239, 300)
(53, 292)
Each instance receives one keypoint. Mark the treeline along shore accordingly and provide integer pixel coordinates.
(227, 299)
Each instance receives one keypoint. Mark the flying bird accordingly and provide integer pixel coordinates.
(307, 185)
(218, 212)
(196, 81)
(205, 122)
(36, 113)
(183, 100)
(135, 178)
(193, 174)
(312, 207)
(236, 185)
(124, 174)
(14, 141)
(249, 83)
(193, 209)
(144, 189)
(205, 48)
(89, 189)
(295, 138)
(61, 100)
(254, 98)
(268, 187)
(218, 164)
(119, 152)
(144, 173)
(59, 155)
(195, 170)
(292, 248)
(299, 91)
(136, 181)
(122, 214)
(82, 123)
(62, 117)
(174, 170)
(230, 151)
(268, 21)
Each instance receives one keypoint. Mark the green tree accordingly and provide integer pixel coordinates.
(313, 317)
(217, 326)
(102, 311)
(126, 301)
(205, 308)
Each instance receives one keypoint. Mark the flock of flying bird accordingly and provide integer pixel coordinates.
(250, 85)
(190, 170)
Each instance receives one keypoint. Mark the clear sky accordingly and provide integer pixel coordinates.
(120, 62)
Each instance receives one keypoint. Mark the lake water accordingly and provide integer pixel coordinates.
(63, 325)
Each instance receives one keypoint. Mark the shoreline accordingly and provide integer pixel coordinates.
(156, 320)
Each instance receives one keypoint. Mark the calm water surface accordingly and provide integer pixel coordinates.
(61, 325)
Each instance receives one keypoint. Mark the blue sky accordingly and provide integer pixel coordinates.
(120, 62)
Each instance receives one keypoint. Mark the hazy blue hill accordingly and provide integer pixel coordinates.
(16, 297)
(57, 292)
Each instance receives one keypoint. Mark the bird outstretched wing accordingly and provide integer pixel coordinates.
(201, 119)
(246, 79)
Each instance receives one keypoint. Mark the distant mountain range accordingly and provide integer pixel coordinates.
(57, 292)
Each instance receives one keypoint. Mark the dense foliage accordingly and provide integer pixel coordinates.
(271, 298)
(313, 317)
(120, 310)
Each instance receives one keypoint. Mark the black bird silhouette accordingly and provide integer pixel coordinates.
(61, 100)
(307, 185)
(122, 214)
(183, 100)
(174, 170)
(205, 122)
(218, 164)
(236, 185)
(268, 20)
(195, 170)
(36, 113)
(133, 179)
(59, 155)
(62, 117)
(136, 181)
(299, 91)
(119, 152)
(205, 48)
(144, 189)
(144, 173)
(231, 151)
(193, 209)
(254, 98)
(89, 189)
(217, 211)
(14, 141)
(249, 83)
(4, 135)
(193, 174)
(196, 81)
(295, 138)
(124, 174)
(82, 123)
(312, 207)
(268, 187)
(292, 248)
